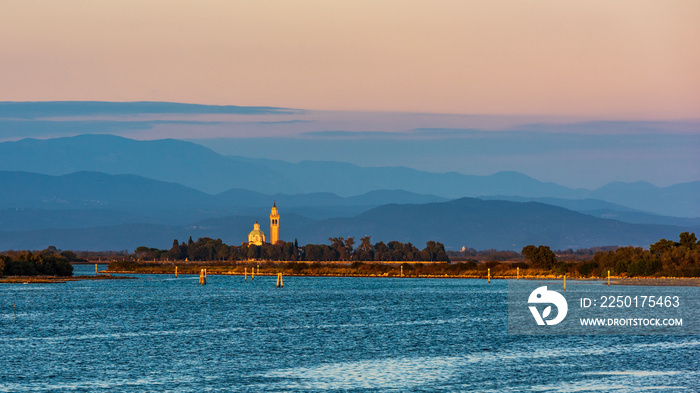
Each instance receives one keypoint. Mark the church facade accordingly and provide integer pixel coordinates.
(257, 236)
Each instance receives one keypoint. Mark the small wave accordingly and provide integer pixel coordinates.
(404, 373)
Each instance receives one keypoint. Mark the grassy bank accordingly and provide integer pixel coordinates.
(357, 269)
(56, 279)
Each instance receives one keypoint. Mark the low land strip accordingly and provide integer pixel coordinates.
(56, 279)
(377, 269)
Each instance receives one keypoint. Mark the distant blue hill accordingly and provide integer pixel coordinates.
(89, 210)
(492, 224)
(347, 179)
(602, 209)
(166, 160)
(464, 222)
(88, 199)
(91, 190)
(197, 167)
(680, 200)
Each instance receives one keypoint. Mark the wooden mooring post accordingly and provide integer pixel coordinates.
(565, 283)
(608, 277)
(245, 274)
(517, 273)
(280, 283)
(203, 277)
(175, 271)
(95, 268)
(489, 275)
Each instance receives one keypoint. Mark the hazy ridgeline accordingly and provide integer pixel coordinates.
(103, 192)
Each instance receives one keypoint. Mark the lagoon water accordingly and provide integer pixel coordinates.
(161, 333)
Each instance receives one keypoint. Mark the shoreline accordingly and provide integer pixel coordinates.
(640, 281)
(57, 279)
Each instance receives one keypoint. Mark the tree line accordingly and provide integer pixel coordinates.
(48, 262)
(663, 258)
(338, 249)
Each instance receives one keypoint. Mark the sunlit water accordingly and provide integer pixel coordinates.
(159, 333)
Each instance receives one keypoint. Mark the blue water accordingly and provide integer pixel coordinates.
(161, 333)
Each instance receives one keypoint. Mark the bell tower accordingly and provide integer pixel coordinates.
(274, 224)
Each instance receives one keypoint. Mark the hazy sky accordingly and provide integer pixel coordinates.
(597, 59)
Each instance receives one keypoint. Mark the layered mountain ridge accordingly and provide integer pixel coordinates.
(107, 192)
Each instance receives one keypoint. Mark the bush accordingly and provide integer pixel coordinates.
(122, 265)
(2, 264)
(20, 268)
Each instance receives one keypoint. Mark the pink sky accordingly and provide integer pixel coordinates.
(597, 59)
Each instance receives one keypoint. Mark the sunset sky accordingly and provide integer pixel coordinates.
(590, 59)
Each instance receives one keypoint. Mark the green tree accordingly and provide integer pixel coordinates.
(365, 252)
(253, 252)
(540, 257)
(3, 259)
(410, 253)
(381, 252)
(688, 240)
(313, 252)
(288, 252)
(271, 252)
(176, 251)
(349, 243)
(434, 251)
(70, 255)
(662, 246)
(339, 251)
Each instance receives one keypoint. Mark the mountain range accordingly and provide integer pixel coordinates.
(200, 168)
(465, 222)
(107, 192)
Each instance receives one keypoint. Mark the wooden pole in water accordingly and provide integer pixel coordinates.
(252, 273)
(517, 273)
(565, 283)
(489, 275)
(245, 274)
(608, 277)
(175, 271)
(205, 276)
(280, 283)
(95, 268)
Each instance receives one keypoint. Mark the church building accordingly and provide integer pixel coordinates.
(257, 236)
